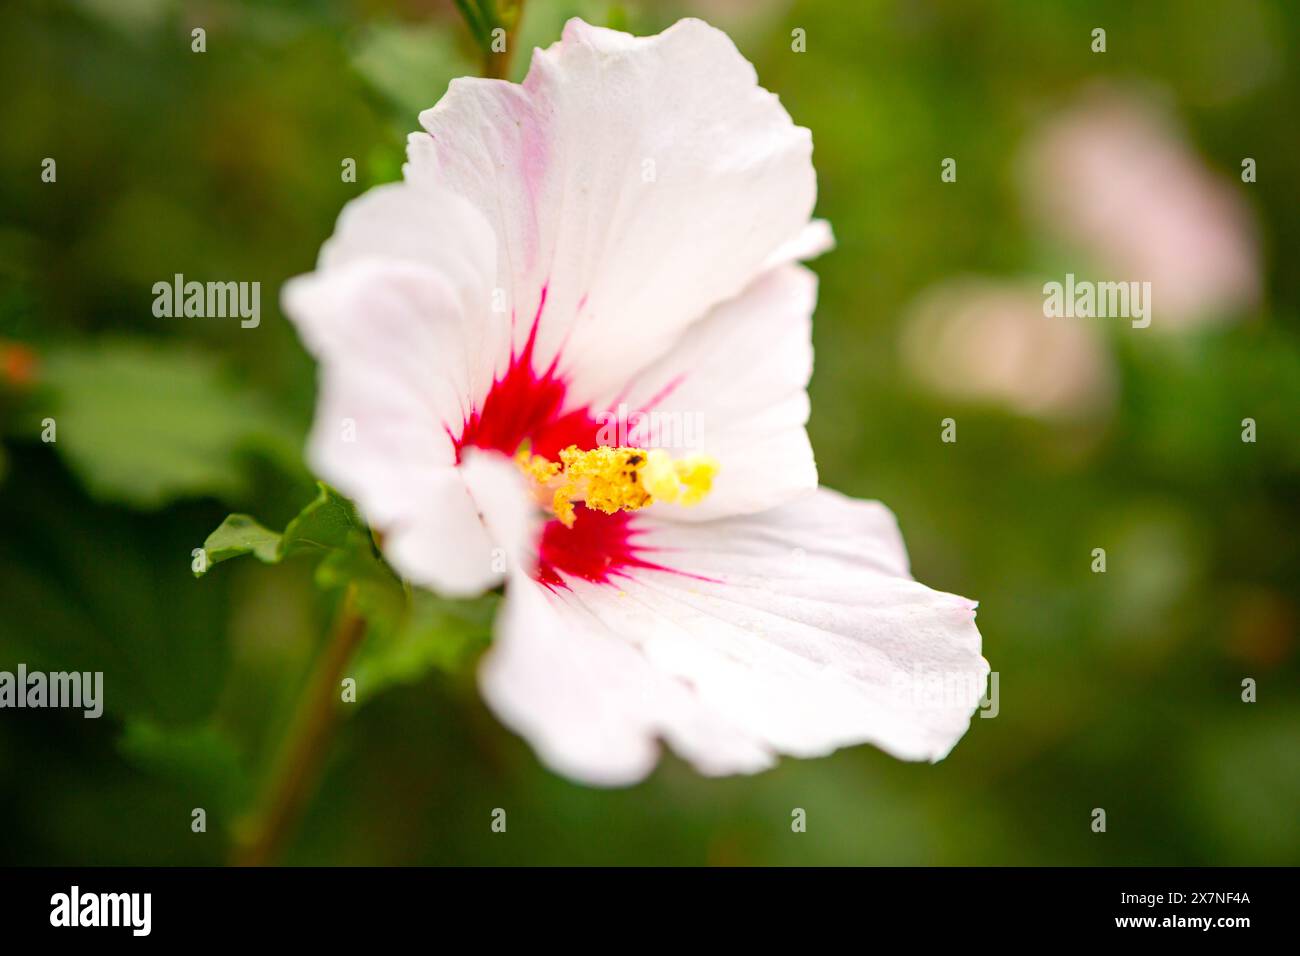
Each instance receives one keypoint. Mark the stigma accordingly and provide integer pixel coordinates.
(610, 479)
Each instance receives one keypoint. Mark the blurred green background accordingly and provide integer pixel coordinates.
(1119, 690)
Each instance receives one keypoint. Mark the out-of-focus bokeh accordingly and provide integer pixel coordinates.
(1119, 690)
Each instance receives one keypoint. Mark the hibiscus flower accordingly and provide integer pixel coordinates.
(616, 241)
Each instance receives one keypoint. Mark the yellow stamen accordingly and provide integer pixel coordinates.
(536, 467)
(618, 479)
(685, 481)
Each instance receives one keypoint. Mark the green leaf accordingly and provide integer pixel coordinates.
(379, 594)
(409, 631)
(240, 534)
(329, 522)
(146, 424)
(430, 634)
(446, 635)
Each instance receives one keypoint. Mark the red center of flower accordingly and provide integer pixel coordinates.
(523, 405)
(598, 548)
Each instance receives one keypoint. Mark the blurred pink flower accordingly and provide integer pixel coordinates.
(1114, 178)
(977, 340)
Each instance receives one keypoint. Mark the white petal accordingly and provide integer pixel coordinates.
(590, 702)
(420, 223)
(415, 225)
(795, 631)
(734, 387)
(506, 507)
(441, 542)
(398, 362)
(812, 241)
(637, 181)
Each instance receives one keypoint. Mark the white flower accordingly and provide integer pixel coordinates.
(622, 229)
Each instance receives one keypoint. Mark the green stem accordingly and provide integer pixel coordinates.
(297, 769)
(484, 16)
